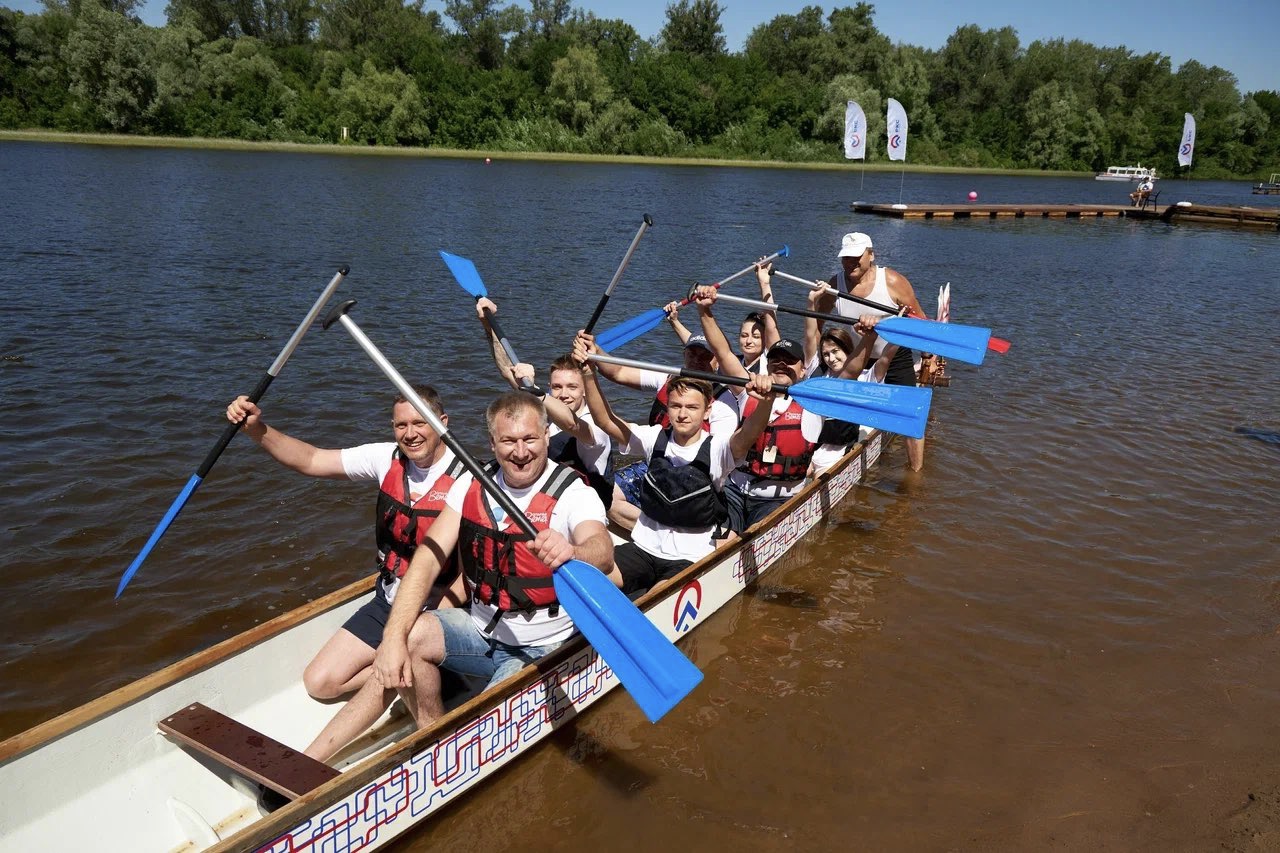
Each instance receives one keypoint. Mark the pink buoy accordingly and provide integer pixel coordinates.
(487, 161)
(973, 196)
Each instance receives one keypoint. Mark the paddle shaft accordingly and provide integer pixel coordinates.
(996, 344)
(801, 312)
(781, 253)
(476, 469)
(229, 432)
(813, 285)
(715, 378)
(645, 224)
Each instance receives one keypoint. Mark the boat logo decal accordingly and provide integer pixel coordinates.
(686, 612)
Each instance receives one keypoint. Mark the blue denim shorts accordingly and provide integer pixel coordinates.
(628, 480)
(468, 651)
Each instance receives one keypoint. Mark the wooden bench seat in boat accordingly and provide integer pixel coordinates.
(250, 753)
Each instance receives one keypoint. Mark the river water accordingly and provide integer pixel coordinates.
(1062, 634)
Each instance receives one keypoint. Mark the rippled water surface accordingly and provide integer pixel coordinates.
(1061, 635)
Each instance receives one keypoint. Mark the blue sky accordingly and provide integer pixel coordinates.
(1238, 35)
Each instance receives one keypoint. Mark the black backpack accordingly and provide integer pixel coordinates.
(683, 496)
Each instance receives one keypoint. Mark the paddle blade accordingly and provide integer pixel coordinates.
(654, 671)
(174, 508)
(901, 409)
(466, 274)
(999, 345)
(949, 340)
(628, 330)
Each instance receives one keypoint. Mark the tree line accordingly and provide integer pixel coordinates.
(556, 78)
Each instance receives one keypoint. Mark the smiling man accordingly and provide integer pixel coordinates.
(415, 472)
(514, 617)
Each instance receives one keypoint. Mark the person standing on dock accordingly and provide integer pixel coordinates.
(860, 276)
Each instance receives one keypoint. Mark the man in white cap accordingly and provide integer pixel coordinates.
(860, 276)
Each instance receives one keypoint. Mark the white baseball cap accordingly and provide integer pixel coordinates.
(854, 244)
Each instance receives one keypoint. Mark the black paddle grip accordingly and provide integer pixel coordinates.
(337, 313)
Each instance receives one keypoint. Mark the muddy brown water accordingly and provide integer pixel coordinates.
(1061, 635)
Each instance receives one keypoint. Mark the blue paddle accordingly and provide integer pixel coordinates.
(901, 409)
(466, 274)
(629, 330)
(654, 671)
(929, 337)
(229, 432)
(949, 340)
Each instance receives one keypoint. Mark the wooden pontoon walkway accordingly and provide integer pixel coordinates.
(1264, 217)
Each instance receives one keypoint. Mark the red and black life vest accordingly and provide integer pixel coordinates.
(792, 454)
(503, 572)
(402, 527)
(658, 411)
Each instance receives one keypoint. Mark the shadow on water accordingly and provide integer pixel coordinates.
(1265, 436)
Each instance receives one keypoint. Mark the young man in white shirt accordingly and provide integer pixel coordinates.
(681, 507)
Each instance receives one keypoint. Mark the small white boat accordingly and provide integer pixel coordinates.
(1271, 187)
(1126, 173)
(168, 763)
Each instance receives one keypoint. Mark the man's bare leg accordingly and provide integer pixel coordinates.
(341, 666)
(372, 699)
(915, 453)
(352, 720)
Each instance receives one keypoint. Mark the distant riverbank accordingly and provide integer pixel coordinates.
(460, 154)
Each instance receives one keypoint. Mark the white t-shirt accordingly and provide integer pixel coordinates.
(595, 455)
(723, 416)
(679, 543)
(577, 504)
(373, 461)
(810, 428)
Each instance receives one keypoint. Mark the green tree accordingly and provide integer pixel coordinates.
(972, 88)
(109, 64)
(1060, 133)
(791, 43)
(579, 90)
(484, 27)
(693, 27)
(177, 76)
(853, 44)
(242, 93)
(382, 108)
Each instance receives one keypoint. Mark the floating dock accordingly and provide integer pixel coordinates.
(1260, 217)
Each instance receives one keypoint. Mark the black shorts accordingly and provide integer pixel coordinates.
(902, 368)
(370, 620)
(641, 570)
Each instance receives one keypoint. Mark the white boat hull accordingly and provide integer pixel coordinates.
(104, 778)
